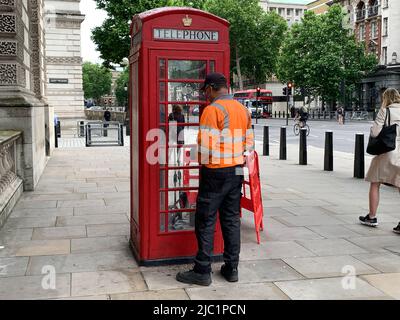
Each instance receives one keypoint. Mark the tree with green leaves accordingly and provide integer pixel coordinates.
(96, 81)
(121, 91)
(255, 37)
(322, 56)
(112, 37)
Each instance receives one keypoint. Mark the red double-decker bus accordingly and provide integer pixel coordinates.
(249, 99)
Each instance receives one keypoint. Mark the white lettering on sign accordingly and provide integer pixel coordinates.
(186, 35)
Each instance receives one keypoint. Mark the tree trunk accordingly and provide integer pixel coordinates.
(238, 70)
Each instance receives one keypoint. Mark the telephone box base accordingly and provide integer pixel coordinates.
(169, 261)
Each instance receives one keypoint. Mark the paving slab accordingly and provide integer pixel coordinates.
(376, 243)
(102, 210)
(331, 247)
(35, 248)
(36, 222)
(307, 211)
(11, 267)
(107, 260)
(35, 204)
(79, 203)
(389, 283)
(8, 235)
(59, 233)
(312, 220)
(333, 231)
(330, 266)
(106, 230)
(23, 288)
(353, 218)
(32, 196)
(273, 250)
(384, 262)
(91, 220)
(49, 212)
(174, 294)
(246, 291)
(329, 289)
(107, 282)
(99, 244)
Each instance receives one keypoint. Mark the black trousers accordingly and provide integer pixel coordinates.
(219, 190)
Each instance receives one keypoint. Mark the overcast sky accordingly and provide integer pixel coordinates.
(94, 18)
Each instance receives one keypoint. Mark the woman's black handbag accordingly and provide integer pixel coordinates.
(385, 141)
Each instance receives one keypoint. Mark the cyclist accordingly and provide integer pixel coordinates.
(303, 115)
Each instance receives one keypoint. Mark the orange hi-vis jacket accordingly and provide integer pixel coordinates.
(225, 133)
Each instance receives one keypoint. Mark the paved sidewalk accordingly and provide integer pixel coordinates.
(77, 222)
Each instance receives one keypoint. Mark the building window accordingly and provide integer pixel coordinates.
(385, 26)
(384, 55)
(281, 11)
(272, 9)
(361, 33)
(374, 30)
(385, 3)
(289, 12)
(298, 12)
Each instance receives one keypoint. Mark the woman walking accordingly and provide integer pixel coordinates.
(385, 168)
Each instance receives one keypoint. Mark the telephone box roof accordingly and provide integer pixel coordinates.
(157, 12)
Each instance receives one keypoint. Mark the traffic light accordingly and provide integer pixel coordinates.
(285, 91)
(258, 92)
(290, 86)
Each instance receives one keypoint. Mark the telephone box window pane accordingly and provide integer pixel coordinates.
(163, 201)
(162, 179)
(181, 91)
(186, 69)
(162, 222)
(190, 113)
(162, 113)
(185, 178)
(181, 221)
(162, 91)
(182, 152)
(212, 66)
(162, 69)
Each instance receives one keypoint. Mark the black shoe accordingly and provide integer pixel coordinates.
(397, 229)
(368, 221)
(231, 275)
(192, 277)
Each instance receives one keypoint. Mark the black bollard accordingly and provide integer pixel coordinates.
(359, 157)
(328, 157)
(58, 130)
(282, 149)
(121, 130)
(266, 141)
(275, 113)
(55, 137)
(303, 147)
(284, 114)
(279, 114)
(81, 128)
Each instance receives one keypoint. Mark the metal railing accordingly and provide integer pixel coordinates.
(330, 115)
(103, 133)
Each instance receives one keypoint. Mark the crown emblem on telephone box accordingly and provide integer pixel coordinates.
(187, 21)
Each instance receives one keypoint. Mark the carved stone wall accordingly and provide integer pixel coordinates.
(63, 59)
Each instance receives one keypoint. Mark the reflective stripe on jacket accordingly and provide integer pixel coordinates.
(225, 133)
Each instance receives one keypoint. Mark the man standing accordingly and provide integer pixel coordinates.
(225, 134)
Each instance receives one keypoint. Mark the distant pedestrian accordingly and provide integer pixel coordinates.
(385, 168)
(107, 118)
(340, 112)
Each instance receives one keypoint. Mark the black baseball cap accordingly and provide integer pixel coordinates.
(214, 79)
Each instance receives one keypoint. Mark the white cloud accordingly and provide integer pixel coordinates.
(93, 18)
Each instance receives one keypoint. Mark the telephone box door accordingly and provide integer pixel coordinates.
(177, 80)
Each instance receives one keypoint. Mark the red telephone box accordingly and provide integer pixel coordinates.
(172, 50)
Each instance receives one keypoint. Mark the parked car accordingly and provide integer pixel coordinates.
(96, 108)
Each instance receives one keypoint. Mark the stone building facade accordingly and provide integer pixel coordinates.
(63, 59)
(376, 23)
(22, 83)
(290, 10)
